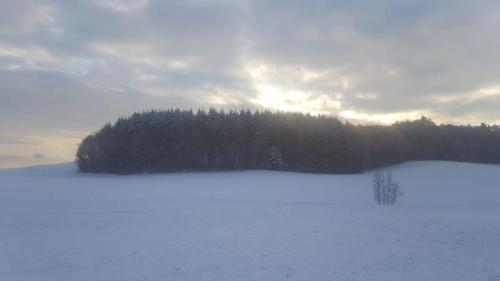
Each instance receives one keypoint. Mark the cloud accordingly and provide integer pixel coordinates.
(74, 65)
(404, 54)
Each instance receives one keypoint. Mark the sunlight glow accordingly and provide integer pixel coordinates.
(56, 145)
(470, 96)
(272, 97)
(32, 56)
(282, 89)
(388, 118)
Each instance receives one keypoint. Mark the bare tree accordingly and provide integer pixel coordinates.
(385, 189)
(378, 185)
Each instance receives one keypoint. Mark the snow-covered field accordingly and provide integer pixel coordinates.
(57, 224)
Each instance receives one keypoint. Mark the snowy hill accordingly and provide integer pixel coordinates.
(57, 224)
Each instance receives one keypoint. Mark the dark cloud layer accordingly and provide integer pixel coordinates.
(73, 65)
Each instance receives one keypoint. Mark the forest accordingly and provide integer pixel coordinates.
(183, 140)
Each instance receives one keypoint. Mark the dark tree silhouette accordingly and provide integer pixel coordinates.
(180, 140)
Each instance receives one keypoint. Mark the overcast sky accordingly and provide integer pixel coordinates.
(67, 67)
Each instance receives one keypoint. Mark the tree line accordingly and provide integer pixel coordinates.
(183, 140)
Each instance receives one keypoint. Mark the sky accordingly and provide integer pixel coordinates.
(68, 67)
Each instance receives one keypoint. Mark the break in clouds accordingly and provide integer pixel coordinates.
(66, 67)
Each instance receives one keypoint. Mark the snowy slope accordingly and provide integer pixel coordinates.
(57, 224)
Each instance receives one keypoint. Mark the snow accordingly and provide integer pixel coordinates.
(58, 224)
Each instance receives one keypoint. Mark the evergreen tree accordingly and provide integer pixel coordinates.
(179, 140)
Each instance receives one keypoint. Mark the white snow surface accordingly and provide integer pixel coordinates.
(58, 224)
